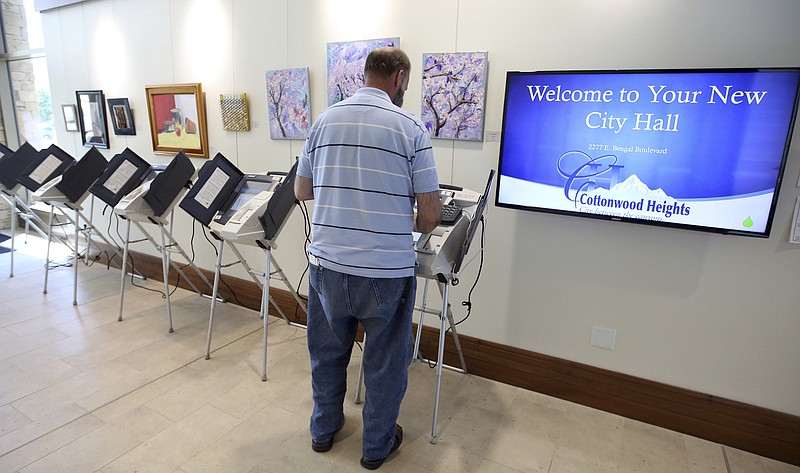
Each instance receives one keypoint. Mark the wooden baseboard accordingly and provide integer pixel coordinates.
(750, 428)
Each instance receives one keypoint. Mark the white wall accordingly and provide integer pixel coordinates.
(717, 314)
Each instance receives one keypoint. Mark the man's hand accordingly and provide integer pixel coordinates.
(429, 212)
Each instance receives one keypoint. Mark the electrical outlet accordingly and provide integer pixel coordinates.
(603, 337)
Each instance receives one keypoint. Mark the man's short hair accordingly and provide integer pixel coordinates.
(383, 62)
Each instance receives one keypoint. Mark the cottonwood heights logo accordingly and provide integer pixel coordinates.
(585, 177)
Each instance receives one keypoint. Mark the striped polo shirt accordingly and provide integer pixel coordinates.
(366, 158)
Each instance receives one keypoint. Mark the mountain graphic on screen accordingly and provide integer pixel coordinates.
(634, 185)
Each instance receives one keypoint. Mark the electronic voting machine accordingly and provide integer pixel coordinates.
(124, 173)
(12, 165)
(442, 251)
(72, 187)
(241, 208)
(48, 164)
(160, 191)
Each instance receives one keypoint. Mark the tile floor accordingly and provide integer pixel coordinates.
(82, 392)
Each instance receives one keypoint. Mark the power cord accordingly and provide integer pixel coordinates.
(191, 260)
(216, 253)
(467, 303)
(130, 256)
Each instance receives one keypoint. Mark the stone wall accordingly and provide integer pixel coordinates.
(23, 83)
(22, 78)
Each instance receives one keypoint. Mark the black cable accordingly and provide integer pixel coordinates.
(110, 235)
(130, 256)
(108, 255)
(133, 271)
(216, 253)
(90, 262)
(84, 255)
(113, 240)
(205, 234)
(108, 230)
(232, 291)
(468, 303)
(180, 270)
(116, 229)
(191, 242)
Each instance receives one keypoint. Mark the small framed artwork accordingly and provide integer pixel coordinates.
(121, 116)
(92, 118)
(235, 116)
(70, 117)
(177, 116)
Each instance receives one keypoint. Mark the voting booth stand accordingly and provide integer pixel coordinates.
(246, 209)
(152, 203)
(12, 165)
(65, 190)
(440, 257)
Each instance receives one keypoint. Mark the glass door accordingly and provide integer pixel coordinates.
(27, 87)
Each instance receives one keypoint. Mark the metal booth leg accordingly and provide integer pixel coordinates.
(28, 211)
(455, 334)
(13, 204)
(265, 311)
(440, 362)
(214, 291)
(47, 257)
(89, 228)
(165, 268)
(124, 271)
(76, 259)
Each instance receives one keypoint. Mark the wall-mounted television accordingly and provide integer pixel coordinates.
(702, 149)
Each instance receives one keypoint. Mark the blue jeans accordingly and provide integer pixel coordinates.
(337, 302)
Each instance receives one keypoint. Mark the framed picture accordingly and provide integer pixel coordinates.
(121, 116)
(92, 118)
(288, 103)
(235, 116)
(453, 94)
(177, 116)
(70, 117)
(346, 65)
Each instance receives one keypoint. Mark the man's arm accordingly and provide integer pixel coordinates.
(429, 212)
(303, 188)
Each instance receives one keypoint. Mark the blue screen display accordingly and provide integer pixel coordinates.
(704, 149)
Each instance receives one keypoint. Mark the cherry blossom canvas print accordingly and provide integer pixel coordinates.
(453, 94)
(346, 65)
(289, 105)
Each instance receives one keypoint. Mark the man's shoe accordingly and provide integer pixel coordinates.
(326, 445)
(321, 447)
(375, 464)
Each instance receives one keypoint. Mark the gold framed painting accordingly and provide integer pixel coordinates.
(177, 116)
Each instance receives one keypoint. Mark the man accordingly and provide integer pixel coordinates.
(365, 162)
